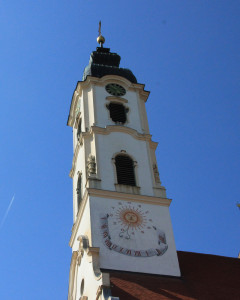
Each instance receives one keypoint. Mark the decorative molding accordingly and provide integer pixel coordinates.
(83, 242)
(123, 188)
(116, 99)
(75, 155)
(71, 117)
(83, 245)
(77, 119)
(105, 131)
(93, 257)
(116, 128)
(104, 292)
(99, 292)
(143, 115)
(153, 145)
(71, 275)
(156, 174)
(159, 191)
(130, 197)
(92, 254)
(93, 182)
(91, 166)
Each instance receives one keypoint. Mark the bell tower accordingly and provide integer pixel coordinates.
(120, 209)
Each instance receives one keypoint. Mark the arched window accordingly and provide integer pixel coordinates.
(125, 170)
(79, 191)
(79, 129)
(118, 112)
(82, 287)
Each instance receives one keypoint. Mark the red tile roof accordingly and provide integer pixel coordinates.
(204, 277)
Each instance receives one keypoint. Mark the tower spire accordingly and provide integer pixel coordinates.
(100, 38)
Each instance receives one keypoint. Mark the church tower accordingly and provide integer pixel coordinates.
(120, 209)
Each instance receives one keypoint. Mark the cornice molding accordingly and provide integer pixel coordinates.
(117, 99)
(71, 116)
(106, 131)
(130, 197)
(117, 128)
(117, 196)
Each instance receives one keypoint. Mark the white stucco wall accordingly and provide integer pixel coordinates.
(102, 113)
(84, 227)
(85, 269)
(108, 145)
(85, 272)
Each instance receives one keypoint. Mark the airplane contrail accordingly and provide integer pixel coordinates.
(7, 211)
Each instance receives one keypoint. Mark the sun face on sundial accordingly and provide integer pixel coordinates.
(130, 218)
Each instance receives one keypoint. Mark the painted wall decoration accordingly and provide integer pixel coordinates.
(91, 165)
(129, 229)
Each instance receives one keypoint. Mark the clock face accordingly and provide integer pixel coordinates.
(115, 89)
(129, 229)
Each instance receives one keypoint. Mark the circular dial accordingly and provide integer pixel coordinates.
(115, 89)
(127, 228)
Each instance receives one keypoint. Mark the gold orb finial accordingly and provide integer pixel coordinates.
(100, 38)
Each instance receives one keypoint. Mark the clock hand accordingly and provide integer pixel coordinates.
(127, 236)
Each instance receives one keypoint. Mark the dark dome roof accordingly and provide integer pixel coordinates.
(102, 62)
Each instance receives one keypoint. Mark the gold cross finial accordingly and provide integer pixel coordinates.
(99, 28)
(100, 38)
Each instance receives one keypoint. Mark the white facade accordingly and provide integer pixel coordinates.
(116, 226)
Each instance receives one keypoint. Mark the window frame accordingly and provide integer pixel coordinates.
(79, 199)
(126, 109)
(132, 189)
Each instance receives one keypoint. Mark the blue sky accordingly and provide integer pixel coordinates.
(188, 55)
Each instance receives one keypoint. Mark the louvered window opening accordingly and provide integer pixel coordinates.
(79, 130)
(79, 191)
(125, 170)
(117, 113)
